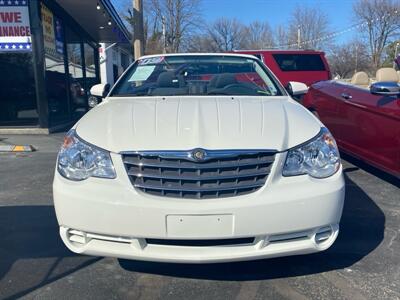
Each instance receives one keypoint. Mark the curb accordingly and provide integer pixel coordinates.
(17, 148)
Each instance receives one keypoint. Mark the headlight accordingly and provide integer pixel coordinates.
(318, 158)
(78, 160)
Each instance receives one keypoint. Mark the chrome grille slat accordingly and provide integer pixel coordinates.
(198, 178)
(217, 189)
(222, 174)
(194, 166)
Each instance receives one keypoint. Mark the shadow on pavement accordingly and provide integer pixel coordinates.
(30, 243)
(370, 169)
(361, 231)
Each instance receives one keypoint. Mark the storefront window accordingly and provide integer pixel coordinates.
(56, 80)
(124, 61)
(18, 104)
(91, 76)
(76, 75)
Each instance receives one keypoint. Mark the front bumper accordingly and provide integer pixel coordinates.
(110, 218)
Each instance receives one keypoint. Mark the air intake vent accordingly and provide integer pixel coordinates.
(177, 174)
(201, 243)
(289, 237)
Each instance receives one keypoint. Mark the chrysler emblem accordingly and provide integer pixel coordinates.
(199, 154)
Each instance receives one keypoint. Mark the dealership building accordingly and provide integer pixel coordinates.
(50, 58)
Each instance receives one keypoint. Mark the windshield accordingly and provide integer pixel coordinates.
(196, 75)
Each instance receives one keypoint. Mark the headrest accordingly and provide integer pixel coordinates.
(386, 74)
(287, 63)
(225, 79)
(213, 81)
(360, 78)
(167, 80)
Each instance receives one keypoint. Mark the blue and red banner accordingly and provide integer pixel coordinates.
(15, 33)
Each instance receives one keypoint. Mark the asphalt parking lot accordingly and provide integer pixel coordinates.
(364, 263)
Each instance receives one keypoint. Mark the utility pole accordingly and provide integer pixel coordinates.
(164, 34)
(138, 43)
(298, 37)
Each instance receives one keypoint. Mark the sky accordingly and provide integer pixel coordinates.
(275, 12)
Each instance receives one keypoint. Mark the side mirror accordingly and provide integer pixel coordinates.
(295, 88)
(100, 90)
(385, 88)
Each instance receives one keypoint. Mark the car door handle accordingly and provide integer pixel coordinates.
(346, 96)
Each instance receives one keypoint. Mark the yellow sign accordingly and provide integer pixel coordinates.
(48, 31)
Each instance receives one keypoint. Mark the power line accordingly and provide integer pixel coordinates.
(335, 34)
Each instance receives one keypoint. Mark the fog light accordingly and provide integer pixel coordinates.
(323, 234)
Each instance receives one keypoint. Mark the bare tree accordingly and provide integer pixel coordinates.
(345, 60)
(227, 34)
(313, 25)
(259, 35)
(181, 19)
(281, 36)
(381, 23)
(202, 43)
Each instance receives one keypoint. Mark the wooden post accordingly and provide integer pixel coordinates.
(138, 42)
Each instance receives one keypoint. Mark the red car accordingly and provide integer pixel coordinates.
(306, 66)
(364, 119)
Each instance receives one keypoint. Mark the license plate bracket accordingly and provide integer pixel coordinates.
(200, 226)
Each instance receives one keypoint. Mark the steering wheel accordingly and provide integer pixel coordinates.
(241, 87)
(246, 86)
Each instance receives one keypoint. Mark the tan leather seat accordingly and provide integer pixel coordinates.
(360, 79)
(386, 74)
(398, 75)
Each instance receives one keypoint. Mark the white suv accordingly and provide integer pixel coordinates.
(198, 158)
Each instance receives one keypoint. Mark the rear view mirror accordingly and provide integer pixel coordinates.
(100, 90)
(385, 88)
(295, 88)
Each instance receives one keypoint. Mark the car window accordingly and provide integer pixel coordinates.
(196, 75)
(299, 62)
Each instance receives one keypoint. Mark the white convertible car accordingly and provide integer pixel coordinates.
(198, 158)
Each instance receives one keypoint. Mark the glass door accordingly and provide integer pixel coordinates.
(18, 104)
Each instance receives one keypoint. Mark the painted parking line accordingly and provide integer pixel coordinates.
(17, 148)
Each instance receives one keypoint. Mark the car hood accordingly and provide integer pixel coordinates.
(183, 123)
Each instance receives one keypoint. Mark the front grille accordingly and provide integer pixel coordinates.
(222, 174)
